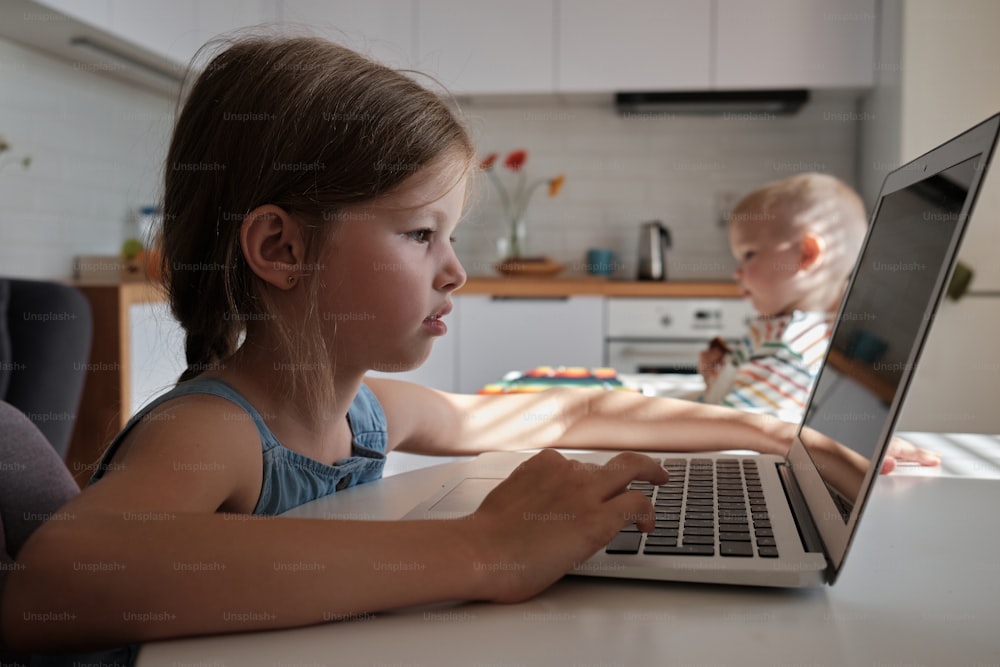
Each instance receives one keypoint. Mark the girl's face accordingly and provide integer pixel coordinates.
(768, 260)
(390, 271)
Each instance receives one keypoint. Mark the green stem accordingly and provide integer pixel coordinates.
(504, 199)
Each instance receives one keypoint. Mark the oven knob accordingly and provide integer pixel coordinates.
(666, 320)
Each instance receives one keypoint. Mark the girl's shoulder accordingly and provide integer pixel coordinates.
(197, 435)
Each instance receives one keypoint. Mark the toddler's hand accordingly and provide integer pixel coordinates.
(710, 359)
(905, 451)
(552, 513)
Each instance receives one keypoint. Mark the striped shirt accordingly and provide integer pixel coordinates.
(773, 367)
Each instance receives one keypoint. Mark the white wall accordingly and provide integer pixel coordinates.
(96, 145)
(939, 69)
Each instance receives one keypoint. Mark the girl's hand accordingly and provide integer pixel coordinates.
(552, 513)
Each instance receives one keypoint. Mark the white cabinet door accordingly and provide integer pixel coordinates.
(167, 29)
(486, 46)
(382, 29)
(440, 369)
(633, 45)
(499, 335)
(95, 12)
(795, 43)
(216, 17)
(155, 353)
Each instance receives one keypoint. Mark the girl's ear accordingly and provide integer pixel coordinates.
(812, 250)
(272, 246)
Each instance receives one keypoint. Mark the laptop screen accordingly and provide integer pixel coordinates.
(907, 249)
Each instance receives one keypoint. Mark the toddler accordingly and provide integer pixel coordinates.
(795, 242)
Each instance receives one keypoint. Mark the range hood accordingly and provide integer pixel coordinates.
(712, 102)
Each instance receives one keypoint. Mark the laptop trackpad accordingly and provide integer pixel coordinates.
(465, 497)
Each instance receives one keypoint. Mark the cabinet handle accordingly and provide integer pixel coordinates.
(529, 298)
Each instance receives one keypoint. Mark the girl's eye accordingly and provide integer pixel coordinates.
(421, 235)
(748, 255)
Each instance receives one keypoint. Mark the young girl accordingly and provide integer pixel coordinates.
(311, 198)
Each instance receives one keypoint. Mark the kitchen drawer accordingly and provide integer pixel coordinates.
(677, 319)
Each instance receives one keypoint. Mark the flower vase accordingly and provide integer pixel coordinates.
(517, 238)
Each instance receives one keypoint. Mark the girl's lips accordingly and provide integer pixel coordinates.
(435, 326)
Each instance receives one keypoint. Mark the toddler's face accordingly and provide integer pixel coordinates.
(768, 256)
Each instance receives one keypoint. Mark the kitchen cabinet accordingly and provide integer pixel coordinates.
(485, 46)
(440, 369)
(498, 335)
(215, 17)
(166, 28)
(633, 45)
(382, 29)
(794, 44)
(163, 32)
(534, 46)
(155, 353)
(94, 12)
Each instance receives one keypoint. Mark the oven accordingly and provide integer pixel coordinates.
(665, 335)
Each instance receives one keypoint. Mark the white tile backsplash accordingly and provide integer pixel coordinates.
(623, 171)
(98, 146)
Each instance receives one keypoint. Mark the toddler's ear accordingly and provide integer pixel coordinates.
(272, 245)
(812, 250)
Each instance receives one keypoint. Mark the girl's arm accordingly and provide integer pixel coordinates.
(432, 422)
(143, 554)
(427, 421)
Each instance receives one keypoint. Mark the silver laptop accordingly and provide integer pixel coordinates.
(774, 521)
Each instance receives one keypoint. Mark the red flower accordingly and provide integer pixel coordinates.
(488, 161)
(516, 159)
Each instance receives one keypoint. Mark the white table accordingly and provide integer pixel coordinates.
(920, 587)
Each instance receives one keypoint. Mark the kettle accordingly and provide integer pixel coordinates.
(654, 240)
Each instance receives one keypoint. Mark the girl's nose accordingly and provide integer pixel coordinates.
(452, 275)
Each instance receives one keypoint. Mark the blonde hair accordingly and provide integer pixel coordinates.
(814, 203)
(306, 125)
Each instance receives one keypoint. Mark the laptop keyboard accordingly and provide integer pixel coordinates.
(708, 507)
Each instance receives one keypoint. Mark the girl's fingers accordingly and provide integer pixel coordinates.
(634, 507)
(615, 475)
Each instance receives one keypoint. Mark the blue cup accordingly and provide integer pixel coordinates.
(600, 262)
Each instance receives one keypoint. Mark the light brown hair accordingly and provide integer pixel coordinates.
(811, 202)
(306, 125)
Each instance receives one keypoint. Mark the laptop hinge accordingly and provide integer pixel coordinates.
(800, 511)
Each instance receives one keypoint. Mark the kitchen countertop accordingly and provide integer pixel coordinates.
(141, 291)
(595, 286)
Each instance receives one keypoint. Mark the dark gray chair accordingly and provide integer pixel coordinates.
(34, 484)
(45, 335)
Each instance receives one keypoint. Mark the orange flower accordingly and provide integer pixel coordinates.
(515, 200)
(555, 185)
(488, 161)
(516, 159)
